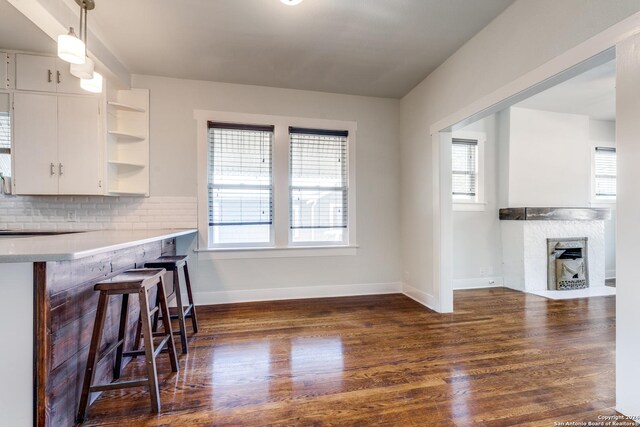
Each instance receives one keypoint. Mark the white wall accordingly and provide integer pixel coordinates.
(477, 248)
(549, 159)
(173, 173)
(526, 35)
(628, 280)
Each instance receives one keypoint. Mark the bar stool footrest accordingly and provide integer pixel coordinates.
(186, 313)
(111, 349)
(120, 384)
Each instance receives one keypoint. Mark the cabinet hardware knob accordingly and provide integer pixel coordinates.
(52, 169)
(49, 76)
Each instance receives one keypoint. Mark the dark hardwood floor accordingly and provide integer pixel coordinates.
(503, 359)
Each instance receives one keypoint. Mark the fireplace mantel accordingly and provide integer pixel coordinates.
(555, 214)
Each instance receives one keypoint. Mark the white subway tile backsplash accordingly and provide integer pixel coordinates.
(96, 212)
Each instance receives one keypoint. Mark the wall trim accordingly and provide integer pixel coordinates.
(303, 292)
(478, 282)
(421, 297)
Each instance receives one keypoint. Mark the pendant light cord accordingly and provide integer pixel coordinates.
(83, 24)
(86, 35)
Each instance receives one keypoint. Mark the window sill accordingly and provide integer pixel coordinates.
(469, 206)
(289, 252)
(603, 203)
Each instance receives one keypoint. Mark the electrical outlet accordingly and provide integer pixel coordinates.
(71, 216)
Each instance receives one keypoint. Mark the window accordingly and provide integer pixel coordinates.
(318, 192)
(240, 196)
(5, 136)
(605, 172)
(464, 180)
(275, 186)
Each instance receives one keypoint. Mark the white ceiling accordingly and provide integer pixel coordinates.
(19, 33)
(592, 93)
(364, 47)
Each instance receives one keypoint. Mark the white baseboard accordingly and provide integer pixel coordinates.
(421, 297)
(478, 282)
(274, 294)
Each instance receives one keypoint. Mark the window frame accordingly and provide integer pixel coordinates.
(281, 247)
(345, 236)
(271, 226)
(476, 203)
(597, 200)
(9, 151)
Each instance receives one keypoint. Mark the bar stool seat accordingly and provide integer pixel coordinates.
(174, 264)
(140, 282)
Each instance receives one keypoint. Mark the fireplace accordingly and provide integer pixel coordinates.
(567, 266)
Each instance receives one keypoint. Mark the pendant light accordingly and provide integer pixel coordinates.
(71, 48)
(291, 2)
(94, 84)
(85, 70)
(90, 80)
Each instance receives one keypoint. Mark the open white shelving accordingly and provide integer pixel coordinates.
(126, 107)
(125, 136)
(128, 142)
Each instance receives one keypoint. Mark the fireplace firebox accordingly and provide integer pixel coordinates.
(568, 266)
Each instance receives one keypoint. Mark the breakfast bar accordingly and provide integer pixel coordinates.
(49, 305)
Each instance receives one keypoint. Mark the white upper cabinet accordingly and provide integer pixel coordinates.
(57, 145)
(65, 81)
(35, 147)
(80, 153)
(45, 74)
(5, 82)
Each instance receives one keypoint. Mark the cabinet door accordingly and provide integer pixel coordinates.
(4, 70)
(66, 82)
(80, 153)
(34, 72)
(35, 145)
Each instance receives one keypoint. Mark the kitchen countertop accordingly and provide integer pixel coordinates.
(63, 247)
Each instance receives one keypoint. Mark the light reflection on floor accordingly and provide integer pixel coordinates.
(311, 357)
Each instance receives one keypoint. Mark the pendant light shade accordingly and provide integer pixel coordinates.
(93, 85)
(83, 71)
(291, 2)
(71, 48)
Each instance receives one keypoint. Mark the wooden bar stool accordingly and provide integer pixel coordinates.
(140, 282)
(174, 264)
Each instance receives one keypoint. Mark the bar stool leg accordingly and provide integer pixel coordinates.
(183, 329)
(194, 319)
(156, 316)
(122, 335)
(154, 327)
(154, 392)
(136, 340)
(166, 322)
(90, 370)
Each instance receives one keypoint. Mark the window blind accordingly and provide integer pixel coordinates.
(240, 175)
(5, 143)
(464, 153)
(605, 171)
(318, 196)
